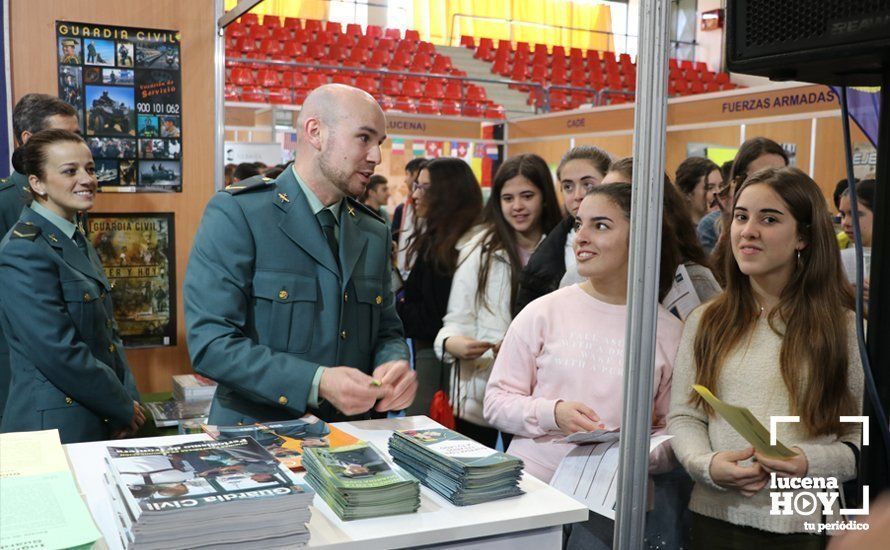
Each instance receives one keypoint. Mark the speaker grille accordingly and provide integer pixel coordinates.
(771, 22)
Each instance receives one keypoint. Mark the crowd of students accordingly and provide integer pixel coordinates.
(520, 315)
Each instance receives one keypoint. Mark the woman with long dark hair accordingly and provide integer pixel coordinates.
(781, 340)
(448, 200)
(522, 209)
(698, 178)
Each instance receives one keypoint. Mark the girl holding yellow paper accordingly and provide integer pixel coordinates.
(781, 341)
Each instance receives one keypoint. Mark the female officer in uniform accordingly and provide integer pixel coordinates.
(69, 371)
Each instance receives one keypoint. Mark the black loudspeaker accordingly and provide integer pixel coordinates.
(834, 42)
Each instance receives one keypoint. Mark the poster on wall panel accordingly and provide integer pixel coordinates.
(137, 253)
(125, 83)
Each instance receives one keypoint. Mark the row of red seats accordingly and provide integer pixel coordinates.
(249, 21)
(357, 57)
(406, 104)
(436, 88)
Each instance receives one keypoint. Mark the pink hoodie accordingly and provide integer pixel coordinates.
(569, 346)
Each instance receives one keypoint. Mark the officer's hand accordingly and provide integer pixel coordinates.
(400, 384)
(350, 390)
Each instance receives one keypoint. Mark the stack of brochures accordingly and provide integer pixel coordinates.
(193, 387)
(357, 482)
(461, 470)
(287, 439)
(222, 494)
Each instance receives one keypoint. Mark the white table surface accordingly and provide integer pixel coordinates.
(437, 520)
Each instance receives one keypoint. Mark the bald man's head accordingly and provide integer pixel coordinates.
(329, 103)
(339, 132)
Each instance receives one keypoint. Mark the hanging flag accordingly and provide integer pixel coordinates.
(398, 146)
(491, 151)
(290, 141)
(419, 148)
(460, 149)
(434, 149)
(478, 150)
(864, 104)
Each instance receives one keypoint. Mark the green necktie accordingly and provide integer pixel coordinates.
(327, 221)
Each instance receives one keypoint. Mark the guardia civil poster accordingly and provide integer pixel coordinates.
(136, 251)
(125, 83)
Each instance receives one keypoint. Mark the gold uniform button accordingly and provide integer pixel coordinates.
(345, 296)
(111, 348)
(283, 295)
(282, 400)
(343, 335)
(87, 297)
(68, 401)
(379, 300)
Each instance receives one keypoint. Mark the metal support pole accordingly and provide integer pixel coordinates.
(219, 108)
(642, 296)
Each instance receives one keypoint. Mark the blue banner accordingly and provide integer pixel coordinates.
(864, 105)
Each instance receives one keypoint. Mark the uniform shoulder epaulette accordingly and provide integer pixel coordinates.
(356, 205)
(6, 184)
(250, 184)
(25, 230)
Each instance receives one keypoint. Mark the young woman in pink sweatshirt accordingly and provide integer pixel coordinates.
(561, 365)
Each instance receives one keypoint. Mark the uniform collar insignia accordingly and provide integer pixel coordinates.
(283, 197)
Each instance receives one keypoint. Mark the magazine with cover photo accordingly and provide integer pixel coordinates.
(287, 439)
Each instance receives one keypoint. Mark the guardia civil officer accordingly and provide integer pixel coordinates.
(69, 371)
(288, 301)
(33, 113)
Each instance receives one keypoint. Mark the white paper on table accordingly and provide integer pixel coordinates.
(681, 299)
(589, 474)
(31, 453)
(596, 436)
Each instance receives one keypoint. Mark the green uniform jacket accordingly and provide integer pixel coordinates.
(68, 366)
(266, 305)
(13, 197)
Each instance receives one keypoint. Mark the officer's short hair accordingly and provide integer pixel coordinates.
(33, 110)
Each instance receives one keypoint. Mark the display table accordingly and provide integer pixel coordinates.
(532, 521)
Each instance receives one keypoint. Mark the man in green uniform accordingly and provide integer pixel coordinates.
(288, 301)
(69, 52)
(33, 112)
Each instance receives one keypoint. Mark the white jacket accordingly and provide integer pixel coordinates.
(467, 318)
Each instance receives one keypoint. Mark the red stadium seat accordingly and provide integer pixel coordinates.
(391, 86)
(420, 64)
(316, 51)
(281, 34)
(253, 94)
(235, 30)
(435, 89)
(412, 35)
(315, 79)
(292, 49)
(267, 78)
(559, 51)
(473, 109)
(325, 38)
(231, 93)
(609, 57)
(405, 104)
(333, 27)
(313, 25)
(519, 72)
(374, 31)
(539, 73)
(450, 107)
(428, 106)
(291, 79)
(485, 51)
(476, 93)
(241, 76)
(250, 19)
(387, 44)
(523, 48)
(501, 66)
(412, 88)
(246, 45)
(281, 96)
(303, 36)
(686, 64)
(353, 29)
(293, 23)
(270, 46)
(712, 86)
(399, 61)
(392, 34)
(367, 83)
(453, 90)
(441, 65)
(722, 78)
(467, 41)
(342, 78)
(494, 111)
(259, 32)
(379, 59)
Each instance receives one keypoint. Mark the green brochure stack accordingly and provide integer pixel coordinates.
(357, 482)
(461, 470)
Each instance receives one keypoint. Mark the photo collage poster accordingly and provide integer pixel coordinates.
(125, 83)
(136, 251)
